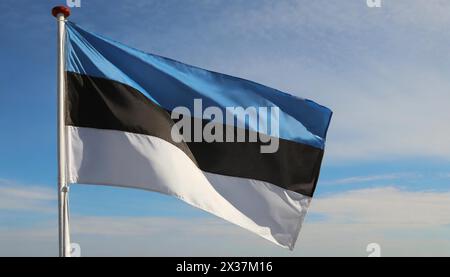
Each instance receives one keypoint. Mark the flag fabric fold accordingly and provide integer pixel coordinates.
(119, 122)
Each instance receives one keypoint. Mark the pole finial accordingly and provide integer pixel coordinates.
(61, 10)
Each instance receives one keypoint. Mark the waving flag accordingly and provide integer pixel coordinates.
(133, 120)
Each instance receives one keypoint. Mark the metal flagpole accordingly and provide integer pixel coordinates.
(61, 13)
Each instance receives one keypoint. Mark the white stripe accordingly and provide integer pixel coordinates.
(133, 160)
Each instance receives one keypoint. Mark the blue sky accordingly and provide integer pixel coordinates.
(384, 72)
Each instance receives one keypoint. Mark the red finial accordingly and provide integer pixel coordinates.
(61, 10)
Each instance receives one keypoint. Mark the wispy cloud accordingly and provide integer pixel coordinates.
(412, 223)
(371, 178)
(19, 197)
(387, 206)
(148, 226)
(444, 175)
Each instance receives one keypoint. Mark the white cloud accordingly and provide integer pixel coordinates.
(444, 175)
(19, 197)
(400, 112)
(403, 222)
(411, 223)
(370, 178)
(147, 226)
(386, 206)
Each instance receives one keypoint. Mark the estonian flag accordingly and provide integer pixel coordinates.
(120, 124)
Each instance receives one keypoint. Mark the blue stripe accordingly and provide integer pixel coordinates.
(169, 84)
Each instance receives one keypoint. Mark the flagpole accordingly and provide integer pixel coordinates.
(61, 13)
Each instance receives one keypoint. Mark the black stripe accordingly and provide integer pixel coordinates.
(294, 166)
(105, 104)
